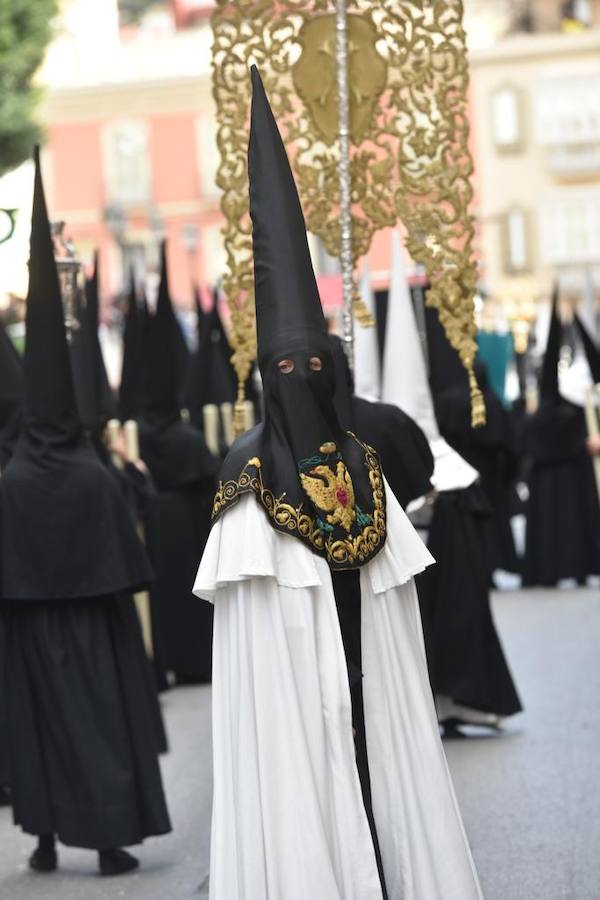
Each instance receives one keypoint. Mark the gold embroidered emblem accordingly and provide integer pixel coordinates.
(341, 553)
(332, 492)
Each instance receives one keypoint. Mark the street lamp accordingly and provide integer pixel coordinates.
(7, 224)
(68, 266)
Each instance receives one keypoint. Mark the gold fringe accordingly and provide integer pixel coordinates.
(239, 411)
(478, 417)
(361, 313)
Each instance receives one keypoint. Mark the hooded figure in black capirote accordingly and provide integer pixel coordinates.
(563, 518)
(211, 376)
(491, 448)
(84, 764)
(309, 565)
(177, 521)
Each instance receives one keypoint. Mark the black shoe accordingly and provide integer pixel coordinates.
(5, 799)
(116, 862)
(451, 731)
(42, 860)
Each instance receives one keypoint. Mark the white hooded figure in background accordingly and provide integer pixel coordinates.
(330, 780)
(367, 374)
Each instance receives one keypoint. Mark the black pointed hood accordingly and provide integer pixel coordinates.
(549, 392)
(95, 399)
(11, 396)
(592, 352)
(130, 391)
(288, 307)
(314, 480)
(175, 452)
(199, 314)
(211, 376)
(162, 355)
(50, 403)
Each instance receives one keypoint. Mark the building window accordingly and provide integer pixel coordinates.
(507, 120)
(570, 228)
(127, 163)
(567, 110)
(515, 240)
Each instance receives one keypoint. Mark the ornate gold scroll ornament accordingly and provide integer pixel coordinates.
(410, 159)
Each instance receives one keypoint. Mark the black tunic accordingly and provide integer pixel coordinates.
(346, 588)
(82, 734)
(177, 523)
(563, 517)
(491, 450)
(79, 705)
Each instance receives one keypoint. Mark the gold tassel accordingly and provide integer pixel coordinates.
(477, 401)
(361, 313)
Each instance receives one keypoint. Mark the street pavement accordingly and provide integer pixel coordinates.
(530, 797)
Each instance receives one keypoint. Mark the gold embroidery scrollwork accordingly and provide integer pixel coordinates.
(410, 157)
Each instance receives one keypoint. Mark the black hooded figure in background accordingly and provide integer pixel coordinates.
(97, 404)
(491, 448)
(329, 774)
(84, 761)
(211, 377)
(177, 521)
(563, 516)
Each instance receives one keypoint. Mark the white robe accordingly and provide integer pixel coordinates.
(288, 816)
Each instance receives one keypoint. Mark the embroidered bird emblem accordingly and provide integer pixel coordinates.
(332, 492)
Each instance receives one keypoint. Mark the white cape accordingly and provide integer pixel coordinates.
(288, 817)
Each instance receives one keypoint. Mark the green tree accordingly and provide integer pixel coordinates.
(25, 30)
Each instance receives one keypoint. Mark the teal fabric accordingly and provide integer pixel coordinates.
(496, 352)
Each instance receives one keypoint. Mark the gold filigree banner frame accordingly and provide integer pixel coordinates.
(410, 159)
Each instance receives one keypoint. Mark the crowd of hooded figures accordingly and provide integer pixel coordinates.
(329, 571)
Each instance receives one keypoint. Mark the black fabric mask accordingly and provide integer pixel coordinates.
(315, 481)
